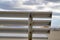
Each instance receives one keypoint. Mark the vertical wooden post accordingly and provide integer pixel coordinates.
(30, 27)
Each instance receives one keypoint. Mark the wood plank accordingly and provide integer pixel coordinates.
(30, 27)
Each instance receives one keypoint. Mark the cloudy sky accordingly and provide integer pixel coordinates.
(51, 5)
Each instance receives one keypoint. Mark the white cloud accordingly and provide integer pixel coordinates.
(18, 5)
(2, 9)
(5, 0)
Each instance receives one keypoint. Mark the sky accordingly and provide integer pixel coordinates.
(47, 5)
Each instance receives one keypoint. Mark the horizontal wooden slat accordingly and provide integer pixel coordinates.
(13, 14)
(22, 35)
(41, 14)
(25, 30)
(19, 39)
(13, 22)
(41, 22)
(25, 14)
